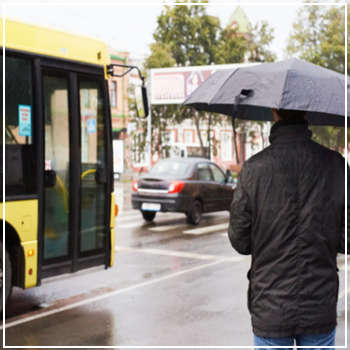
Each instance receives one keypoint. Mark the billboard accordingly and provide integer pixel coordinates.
(174, 85)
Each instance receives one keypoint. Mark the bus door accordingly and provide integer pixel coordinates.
(76, 190)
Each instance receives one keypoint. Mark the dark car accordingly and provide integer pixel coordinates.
(187, 185)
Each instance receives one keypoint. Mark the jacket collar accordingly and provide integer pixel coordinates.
(289, 131)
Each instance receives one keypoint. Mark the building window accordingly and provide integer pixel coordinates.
(204, 136)
(188, 137)
(113, 93)
(226, 146)
(169, 137)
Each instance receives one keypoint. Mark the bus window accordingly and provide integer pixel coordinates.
(57, 160)
(20, 160)
(19, 100)
(93, 165)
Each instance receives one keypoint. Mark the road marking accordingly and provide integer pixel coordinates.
(46, 313)
(206, 229)
(130, 225)
(343, 293)
(128, 217)
(166, 227)
(342, 268)
(181, 254)
(128, 213)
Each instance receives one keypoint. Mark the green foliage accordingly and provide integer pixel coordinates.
(192, 35)
(260, 38)
(231, 47)
(318, 37)
(160, 57)
(330, 136)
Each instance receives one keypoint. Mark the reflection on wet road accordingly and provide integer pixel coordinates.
(172, 284)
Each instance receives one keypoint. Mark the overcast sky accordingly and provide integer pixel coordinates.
(129, 26)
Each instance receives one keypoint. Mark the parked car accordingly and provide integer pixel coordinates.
(187, 185)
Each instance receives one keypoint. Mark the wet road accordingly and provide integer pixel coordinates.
(172, 284)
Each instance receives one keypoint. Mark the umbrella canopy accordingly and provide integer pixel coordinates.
(250, 92)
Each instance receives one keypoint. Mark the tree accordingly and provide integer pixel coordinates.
(192, 35)
(187, 36)
(196, 38)
(193, 38)
(231, 47)
(160, 57)
(318, 37)
(260, 38)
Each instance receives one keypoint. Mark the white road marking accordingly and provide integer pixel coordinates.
(206, 229)
(130, 225)
(128, 213)
(130, 217)
(343, 293)
(166, 227)
(107, 295)
(342, 267)
(224, 234)
(181, 254)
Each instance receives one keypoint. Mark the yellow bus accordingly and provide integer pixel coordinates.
(59, 203)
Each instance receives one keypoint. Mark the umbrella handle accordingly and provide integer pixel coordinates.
(235, 137)
(243, 94)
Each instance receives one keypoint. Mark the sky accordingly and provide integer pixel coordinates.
(128, 26)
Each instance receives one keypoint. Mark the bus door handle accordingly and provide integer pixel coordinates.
(50, 178)
(101, 176)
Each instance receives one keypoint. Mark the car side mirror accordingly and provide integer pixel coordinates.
(228, 176)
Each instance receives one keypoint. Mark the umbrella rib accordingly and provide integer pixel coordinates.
(282, 91)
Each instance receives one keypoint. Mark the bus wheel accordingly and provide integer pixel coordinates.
(7, 275)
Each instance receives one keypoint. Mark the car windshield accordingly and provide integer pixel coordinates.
(170, 168)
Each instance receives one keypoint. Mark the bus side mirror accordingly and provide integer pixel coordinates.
(145, 101)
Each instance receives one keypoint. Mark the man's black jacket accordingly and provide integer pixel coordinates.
(288, 213)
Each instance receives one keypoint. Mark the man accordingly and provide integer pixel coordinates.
(288, 213)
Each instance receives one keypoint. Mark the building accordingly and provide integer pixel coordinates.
(119, 101)
(239, 21)
(118, 94)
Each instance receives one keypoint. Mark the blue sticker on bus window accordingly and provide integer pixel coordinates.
(25, 120)
(91, 126)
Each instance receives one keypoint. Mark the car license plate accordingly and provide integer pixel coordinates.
(150, 206)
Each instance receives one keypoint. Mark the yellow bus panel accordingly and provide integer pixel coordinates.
(54, 43)
(22, 215)
(112, 224)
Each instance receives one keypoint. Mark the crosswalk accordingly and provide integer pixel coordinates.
(165, 222)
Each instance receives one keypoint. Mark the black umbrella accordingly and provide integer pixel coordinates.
(250, 92)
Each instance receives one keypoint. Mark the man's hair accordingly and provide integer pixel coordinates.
(291, 115)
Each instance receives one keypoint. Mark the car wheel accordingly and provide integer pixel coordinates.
(7, 275)
(148, 215)
(195, 214)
